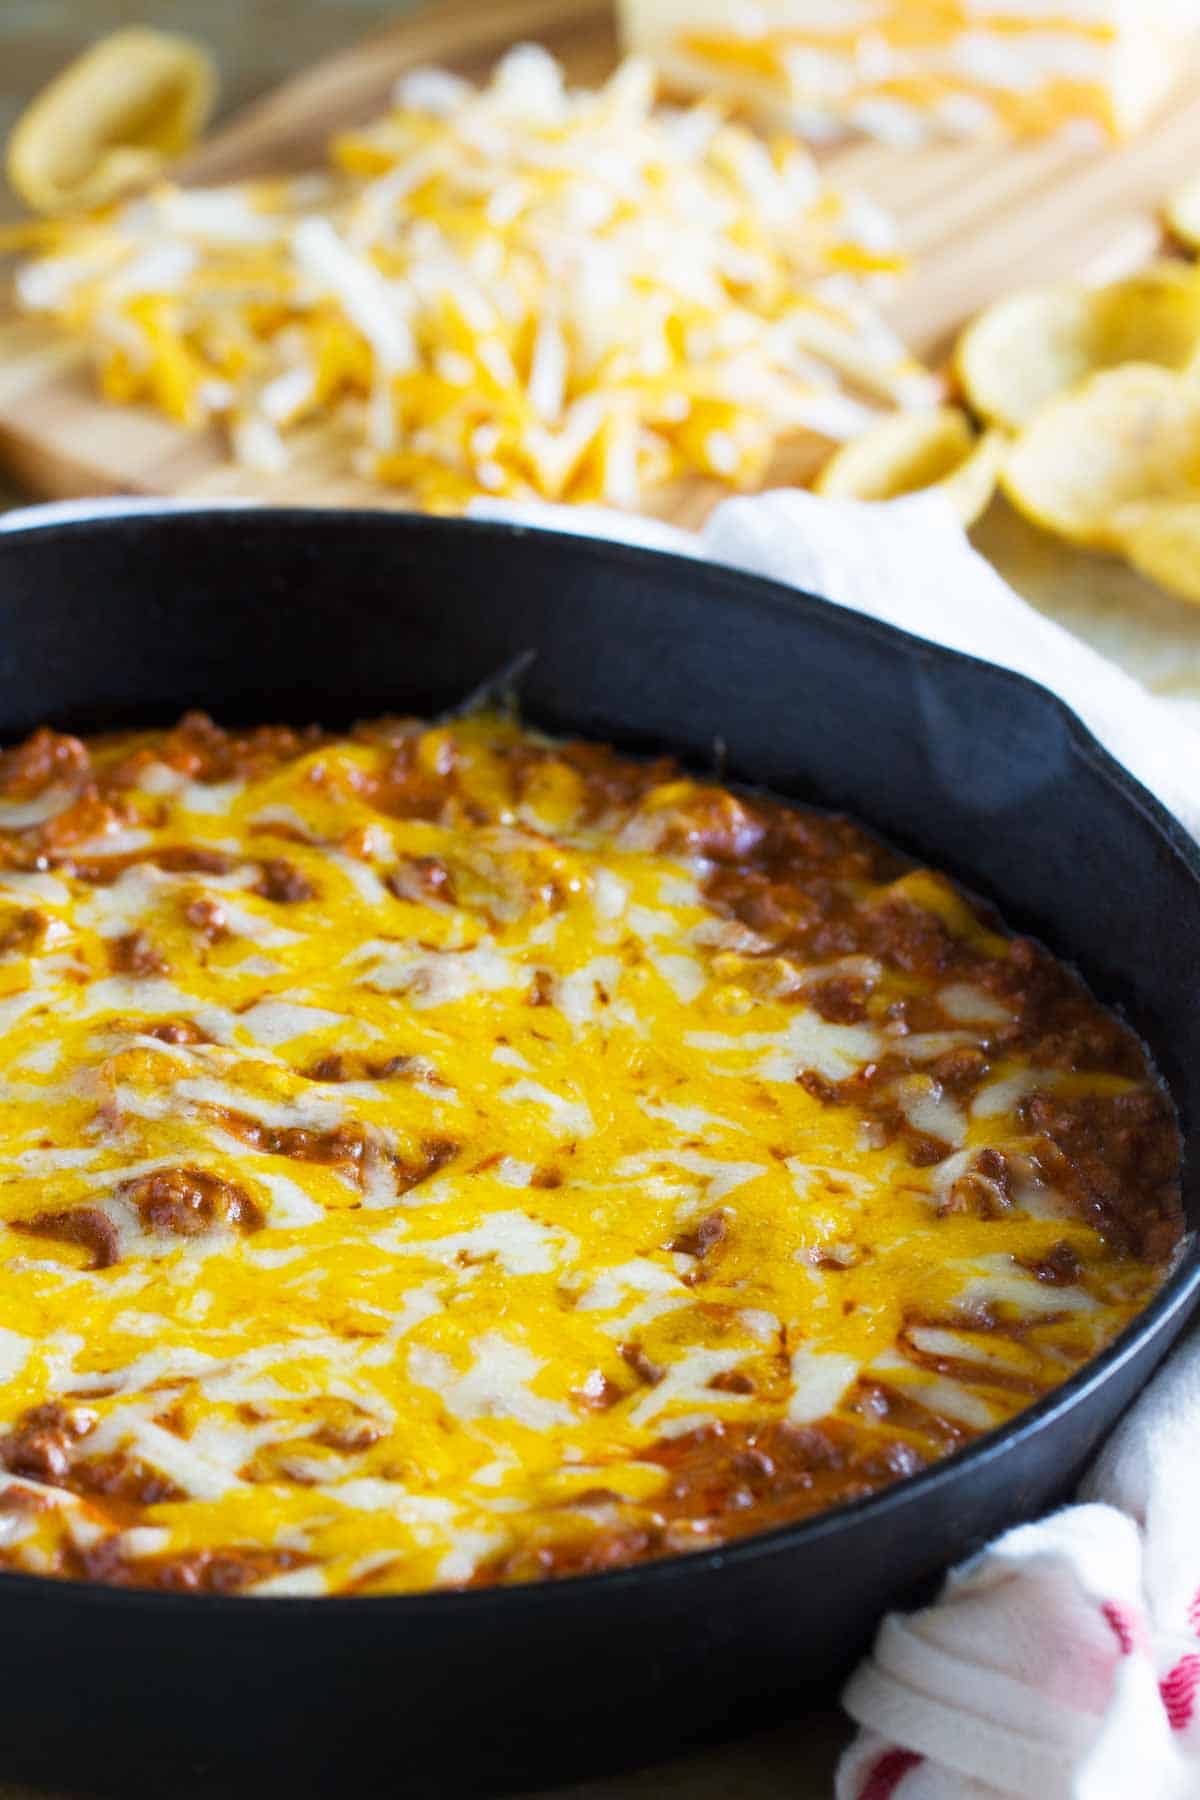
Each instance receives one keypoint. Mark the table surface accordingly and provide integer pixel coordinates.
(1157, 638)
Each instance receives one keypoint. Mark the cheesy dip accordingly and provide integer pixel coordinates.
(438, 1156)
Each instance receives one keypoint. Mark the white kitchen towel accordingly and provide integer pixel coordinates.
(1063, 1662)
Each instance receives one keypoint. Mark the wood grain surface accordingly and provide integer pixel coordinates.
(978, 218)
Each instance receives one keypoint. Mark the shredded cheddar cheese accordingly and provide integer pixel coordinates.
(906, 70)
(412, 1155)
(517, 290)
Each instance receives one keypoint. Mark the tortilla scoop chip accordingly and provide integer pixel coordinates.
(1123, 439)
(1182, 213)
(1026, 350)
(112, 121)
(1162, 540)
(914, 453)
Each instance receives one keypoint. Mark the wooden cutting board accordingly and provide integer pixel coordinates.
(978, 219)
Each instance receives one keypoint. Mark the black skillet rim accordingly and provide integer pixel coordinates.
(1178, 1295)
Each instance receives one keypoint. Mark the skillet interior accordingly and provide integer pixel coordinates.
(303, 615)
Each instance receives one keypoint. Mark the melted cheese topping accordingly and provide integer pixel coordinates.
(401, 1167)
(903, 70)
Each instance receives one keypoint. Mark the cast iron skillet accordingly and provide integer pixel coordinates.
(292, 615)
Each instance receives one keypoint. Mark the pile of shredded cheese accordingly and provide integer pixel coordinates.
(518, 290)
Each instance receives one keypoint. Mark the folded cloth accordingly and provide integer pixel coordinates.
(1063, 1663)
